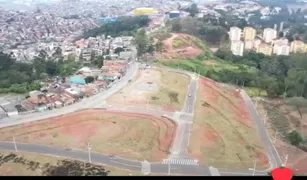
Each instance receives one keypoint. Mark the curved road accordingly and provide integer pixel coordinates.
(181, 142)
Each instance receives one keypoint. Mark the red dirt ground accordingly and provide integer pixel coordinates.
(233, 97)
(185, 51)
(211, 136)
(213, 92)
(83, 125)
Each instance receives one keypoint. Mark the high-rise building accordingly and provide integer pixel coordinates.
(257, 42)
(275, 27)
(269, 34)
(281, 27)
(235, 34)
(249, 33)
(265, 49)
(237, 48)
(249, 44)
(297, 46)
(281, 49)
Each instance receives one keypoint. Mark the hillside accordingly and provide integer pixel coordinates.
(183, 46)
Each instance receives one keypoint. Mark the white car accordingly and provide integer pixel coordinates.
(189, 95)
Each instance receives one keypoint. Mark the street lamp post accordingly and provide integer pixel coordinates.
(275, 137)
(169, 168)
(15, 143)
(89, 147)
(286, 159)
(254, 168)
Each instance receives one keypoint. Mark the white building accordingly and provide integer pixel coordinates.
(249, 44)
(282, 49)
(235, 34)
(269, 34)
(237, 48)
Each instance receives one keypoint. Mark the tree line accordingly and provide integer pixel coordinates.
(22, 77)
(126, 25)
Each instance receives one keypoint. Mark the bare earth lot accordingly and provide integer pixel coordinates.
(154, 89)
(223, 135)
(278, 115)
(28, 164)
(127, 135)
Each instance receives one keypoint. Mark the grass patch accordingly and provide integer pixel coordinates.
(255, 92)
(177, 43)
(173, 89)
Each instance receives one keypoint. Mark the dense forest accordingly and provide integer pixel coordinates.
(125, 25)
(278, 75)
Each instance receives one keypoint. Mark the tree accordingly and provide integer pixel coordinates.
(71, 57)
(193, 9)
(141, 41)
(118, 50)
(295, 138)
(92, 56)
(159, 46)
(298, 103)
(89, 79)
(58, 52)
(99, 61)
(176, 25)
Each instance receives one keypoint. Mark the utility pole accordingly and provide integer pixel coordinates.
(15, 143)
(254, 168)
(275, 137)
(265, 118)
(256, 103)
(89, 147)
(286, 159)
(169, 168)
(147, 104)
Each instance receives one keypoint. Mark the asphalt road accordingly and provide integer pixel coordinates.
(262, 131)
(119, 162)
(185, 120)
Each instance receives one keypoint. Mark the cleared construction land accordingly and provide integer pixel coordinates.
(128, 135)
(223, 135)
(27, 164)
(278, 115)
(154, 88)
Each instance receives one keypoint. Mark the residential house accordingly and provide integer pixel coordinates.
(77, 80)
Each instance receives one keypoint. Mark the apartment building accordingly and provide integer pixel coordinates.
(249, 33)
(269, 35)
(281, 49)
(249, 44)
(235, 34)
(237, 48)
(297, 46)
(257, 42)
(265, 49)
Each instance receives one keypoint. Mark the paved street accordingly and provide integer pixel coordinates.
(262, 131)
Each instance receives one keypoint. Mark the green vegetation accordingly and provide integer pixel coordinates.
(211, 34)
(255, 92)
(282, 121)
(19, 77)
(123, 26)
(177, 43)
